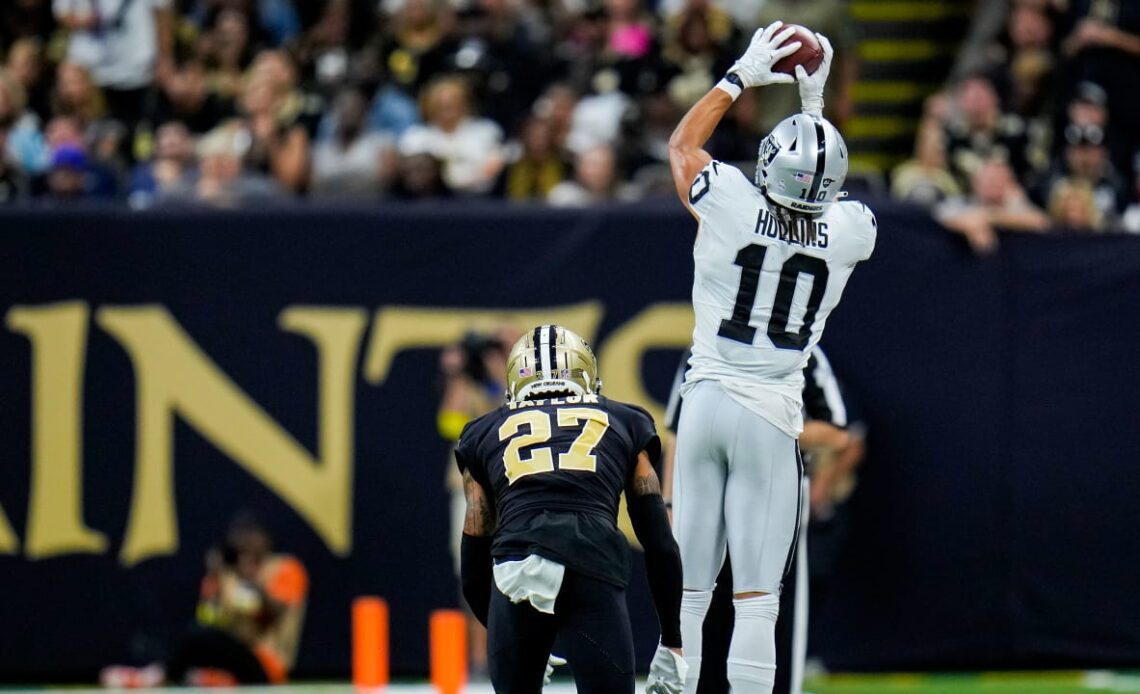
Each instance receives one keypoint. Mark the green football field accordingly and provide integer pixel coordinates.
(986, 683)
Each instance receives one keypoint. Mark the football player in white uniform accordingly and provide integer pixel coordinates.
(772, 258)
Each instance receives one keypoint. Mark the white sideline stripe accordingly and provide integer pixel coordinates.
(418, 688)
(1110, 681)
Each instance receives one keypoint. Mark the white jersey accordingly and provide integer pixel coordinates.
(762, 290)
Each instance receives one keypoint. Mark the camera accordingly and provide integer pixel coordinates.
(475, 346)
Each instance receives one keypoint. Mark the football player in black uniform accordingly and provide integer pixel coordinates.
(542, 555)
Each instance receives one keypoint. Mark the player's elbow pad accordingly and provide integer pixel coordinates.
(662, 562)
(475, 574)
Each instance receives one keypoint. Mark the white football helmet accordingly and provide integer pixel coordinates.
(802, 163)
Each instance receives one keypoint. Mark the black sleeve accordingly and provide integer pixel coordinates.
(467, 455)
(662, 562)
(464, 448)
(644, 435)
(475, 574)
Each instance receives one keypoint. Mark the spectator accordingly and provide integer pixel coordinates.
(67, 132)
(695, 48)
(76, 95)
(67, 179)
(26, 65)
(1088, 106)
(226, 47)
(1086, 160)
(978, 131)
(353, 161)
(24, 147)
(468, 147)
(539, 166)
(1022, 59)
(557, 105)
(925, 180)
(1072, 205)
(595, 180)
(13, 182)
(597, 118)
(629, 30)
(1102, 45)
(106, 142)
(188, 97)
(419, 177)
(624, 56)
(995, 199)
(296, 106)
(494, 36)
(1130, 220)
(125, 45)
(222, 180)
(418, 43)
(279, 143)
(173, 164)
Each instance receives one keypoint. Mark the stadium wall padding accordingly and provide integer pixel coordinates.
(160, 371)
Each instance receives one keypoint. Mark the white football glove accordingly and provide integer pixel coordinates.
(667, 672)
(551, 662)
(755, 67)
(811, 86)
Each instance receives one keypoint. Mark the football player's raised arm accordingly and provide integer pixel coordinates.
(475, 548)
(754, 69)
(662, 558)
(686, 146)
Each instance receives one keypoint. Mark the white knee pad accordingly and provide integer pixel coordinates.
(694, 607)
(752, 655)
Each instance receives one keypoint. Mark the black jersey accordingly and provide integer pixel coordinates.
(556, 469)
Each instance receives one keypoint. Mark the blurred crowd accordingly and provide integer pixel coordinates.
(1038, 127)
(567, 102)
(220, 102)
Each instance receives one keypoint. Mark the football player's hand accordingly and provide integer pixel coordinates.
(667, 672)
(552, 662)
(755, 67)
(811, 86)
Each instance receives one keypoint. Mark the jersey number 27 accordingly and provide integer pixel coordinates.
(579, 457)
(751, 259)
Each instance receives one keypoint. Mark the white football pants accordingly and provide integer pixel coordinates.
(737, 482)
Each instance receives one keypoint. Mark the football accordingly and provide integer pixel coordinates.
(810, 54)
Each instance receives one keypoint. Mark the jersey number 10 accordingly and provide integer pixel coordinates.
(579, 457)
(751, 259)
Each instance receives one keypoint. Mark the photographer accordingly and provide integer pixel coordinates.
(251, 609)
(248, 622)
(472, 371)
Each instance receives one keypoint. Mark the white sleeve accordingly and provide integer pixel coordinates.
(868, 228)
(716, 187)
